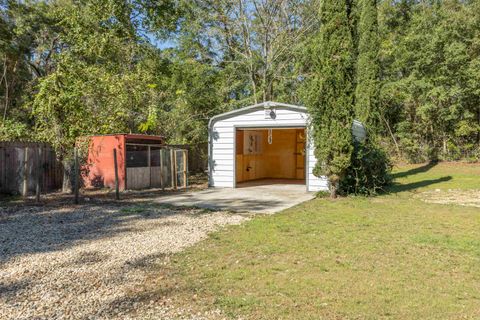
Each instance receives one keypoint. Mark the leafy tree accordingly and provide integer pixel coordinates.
(25, 55)
(254, 44)
(329, 93)
(105, 78)
(193, 95)
(369, 170)
(429, 55)
(368, 68)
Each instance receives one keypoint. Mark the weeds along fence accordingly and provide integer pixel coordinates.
(24, 165)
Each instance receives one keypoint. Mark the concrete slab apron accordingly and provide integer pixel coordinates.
(254, 199)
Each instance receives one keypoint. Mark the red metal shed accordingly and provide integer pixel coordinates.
(141, 160)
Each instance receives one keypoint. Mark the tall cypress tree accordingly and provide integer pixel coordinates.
(329, 93)
(368, 68)
(369, 171)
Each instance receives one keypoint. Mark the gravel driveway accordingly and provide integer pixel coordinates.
(85, 261)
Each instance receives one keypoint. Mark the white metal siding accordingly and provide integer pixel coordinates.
(314, 183)
(223, 143)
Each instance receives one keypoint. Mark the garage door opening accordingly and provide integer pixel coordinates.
(270, 156)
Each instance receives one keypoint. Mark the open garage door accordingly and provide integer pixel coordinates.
(270, 156)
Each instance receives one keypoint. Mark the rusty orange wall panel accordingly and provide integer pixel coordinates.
(99, 170)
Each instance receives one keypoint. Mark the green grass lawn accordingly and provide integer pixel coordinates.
(392, 256)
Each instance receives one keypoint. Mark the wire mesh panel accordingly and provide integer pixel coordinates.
(156, 167)
(137, 156)
(161, 168)
(181, 168)
(166, 165)
(156, 180)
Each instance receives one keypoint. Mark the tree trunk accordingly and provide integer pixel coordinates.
(391, 135)
(445, 146)
(334, 181)
(478, 118)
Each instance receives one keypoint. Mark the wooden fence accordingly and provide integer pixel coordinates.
(22, 164)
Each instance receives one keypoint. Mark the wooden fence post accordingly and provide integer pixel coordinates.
(161, 169)
(39, 174)
(149, 162)
(25, 172)
(117, 193)
(75, 170)
(172, 164)
(186, 170)
(185, 166)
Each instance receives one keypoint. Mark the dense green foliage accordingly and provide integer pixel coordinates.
(103, 80)
(368, 67)
(329, 93)
(370, 167)
(430, 54)
(369, 172)
(345, 84)
(70, 68)
(73, 69)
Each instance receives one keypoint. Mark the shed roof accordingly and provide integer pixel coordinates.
(130, 136)
(264, 105)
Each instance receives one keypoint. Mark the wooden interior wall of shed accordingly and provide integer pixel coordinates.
(283, 159)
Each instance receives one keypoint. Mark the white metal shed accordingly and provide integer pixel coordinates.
(266, 142)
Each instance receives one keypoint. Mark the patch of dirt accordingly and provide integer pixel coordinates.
(469, 198)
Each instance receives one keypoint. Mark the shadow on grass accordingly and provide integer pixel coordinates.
(414, 171)
(396, 187)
